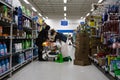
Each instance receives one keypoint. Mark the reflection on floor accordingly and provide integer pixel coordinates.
(58, 71)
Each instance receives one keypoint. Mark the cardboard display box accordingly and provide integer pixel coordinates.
(82, 62)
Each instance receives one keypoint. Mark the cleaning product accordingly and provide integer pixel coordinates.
(7, 64)
(5, 11)
(20, 27)
(3, 66)
(0, 68)
(5, 49)
(1, 50)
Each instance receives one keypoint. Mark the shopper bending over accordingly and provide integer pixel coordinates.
(54, 36)
(42, 37)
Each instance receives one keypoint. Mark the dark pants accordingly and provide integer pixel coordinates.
(40, 49)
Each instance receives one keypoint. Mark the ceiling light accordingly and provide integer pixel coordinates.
(39, 14)
(65, 18)
(65, 1)
(34, 9)
(46, 17)
(88, 14)
(92, 10)
(43, 18)
(65, 8)
(65, 14)
(81, 17)
(100, 1)
(26, 1)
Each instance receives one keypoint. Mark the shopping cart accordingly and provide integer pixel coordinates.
(50, 51)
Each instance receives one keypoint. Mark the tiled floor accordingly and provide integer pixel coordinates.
(58, 71)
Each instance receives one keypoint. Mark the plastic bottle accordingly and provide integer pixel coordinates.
(20, 27)
(28, 23)
(1, 50)
(7, 64)
(0, 68)
(5, 49)
(3, 66)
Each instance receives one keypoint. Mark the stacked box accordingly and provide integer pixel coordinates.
(82, 62)
(82, 49)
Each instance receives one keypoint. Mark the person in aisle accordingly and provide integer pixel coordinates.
(70, 40)
(42, 37)
(55, 36)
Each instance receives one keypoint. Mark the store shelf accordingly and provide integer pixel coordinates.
(6, 73)
(35, 57)
(23, 50)
(27, 28)
(27, 17)
(118, 77)
(21, 38)
(110, 75)
(21, 64)
(5, 22)
(3, 37)
(8, 5)
(5, 56)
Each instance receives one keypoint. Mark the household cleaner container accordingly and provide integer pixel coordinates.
(7, 64)
(5, 48)
(3, 66)
(0, 68)
(1, 49)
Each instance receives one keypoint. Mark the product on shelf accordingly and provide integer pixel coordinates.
(1, 30)
(0, 67)
(20, 24)
(3, 66)
(18, 46)
(1, 49)
(5, 49)
(7, 64)
(21, 58)
(28, 54)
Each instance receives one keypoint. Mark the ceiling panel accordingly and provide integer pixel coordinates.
(54, 8)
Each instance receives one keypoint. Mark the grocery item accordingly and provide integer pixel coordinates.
(1, 50)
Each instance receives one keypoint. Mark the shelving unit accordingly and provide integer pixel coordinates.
(110, 75)
(13, 38)
(103, 55)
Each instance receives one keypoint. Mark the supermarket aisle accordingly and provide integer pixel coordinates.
(58, 71)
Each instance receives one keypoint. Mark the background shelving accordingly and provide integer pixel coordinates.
(20, 46)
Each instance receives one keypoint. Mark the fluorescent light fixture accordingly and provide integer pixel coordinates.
(88, 14)
(26, 1)
(65, 14)
(92, 10)
(65, 1)
(40, 14)
(43, 18)
(65, 18)
(46, 17)
(34, 9)
(100, 1)
(65, 8)
(81, 17)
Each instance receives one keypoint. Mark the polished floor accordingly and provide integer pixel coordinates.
(58, 71)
